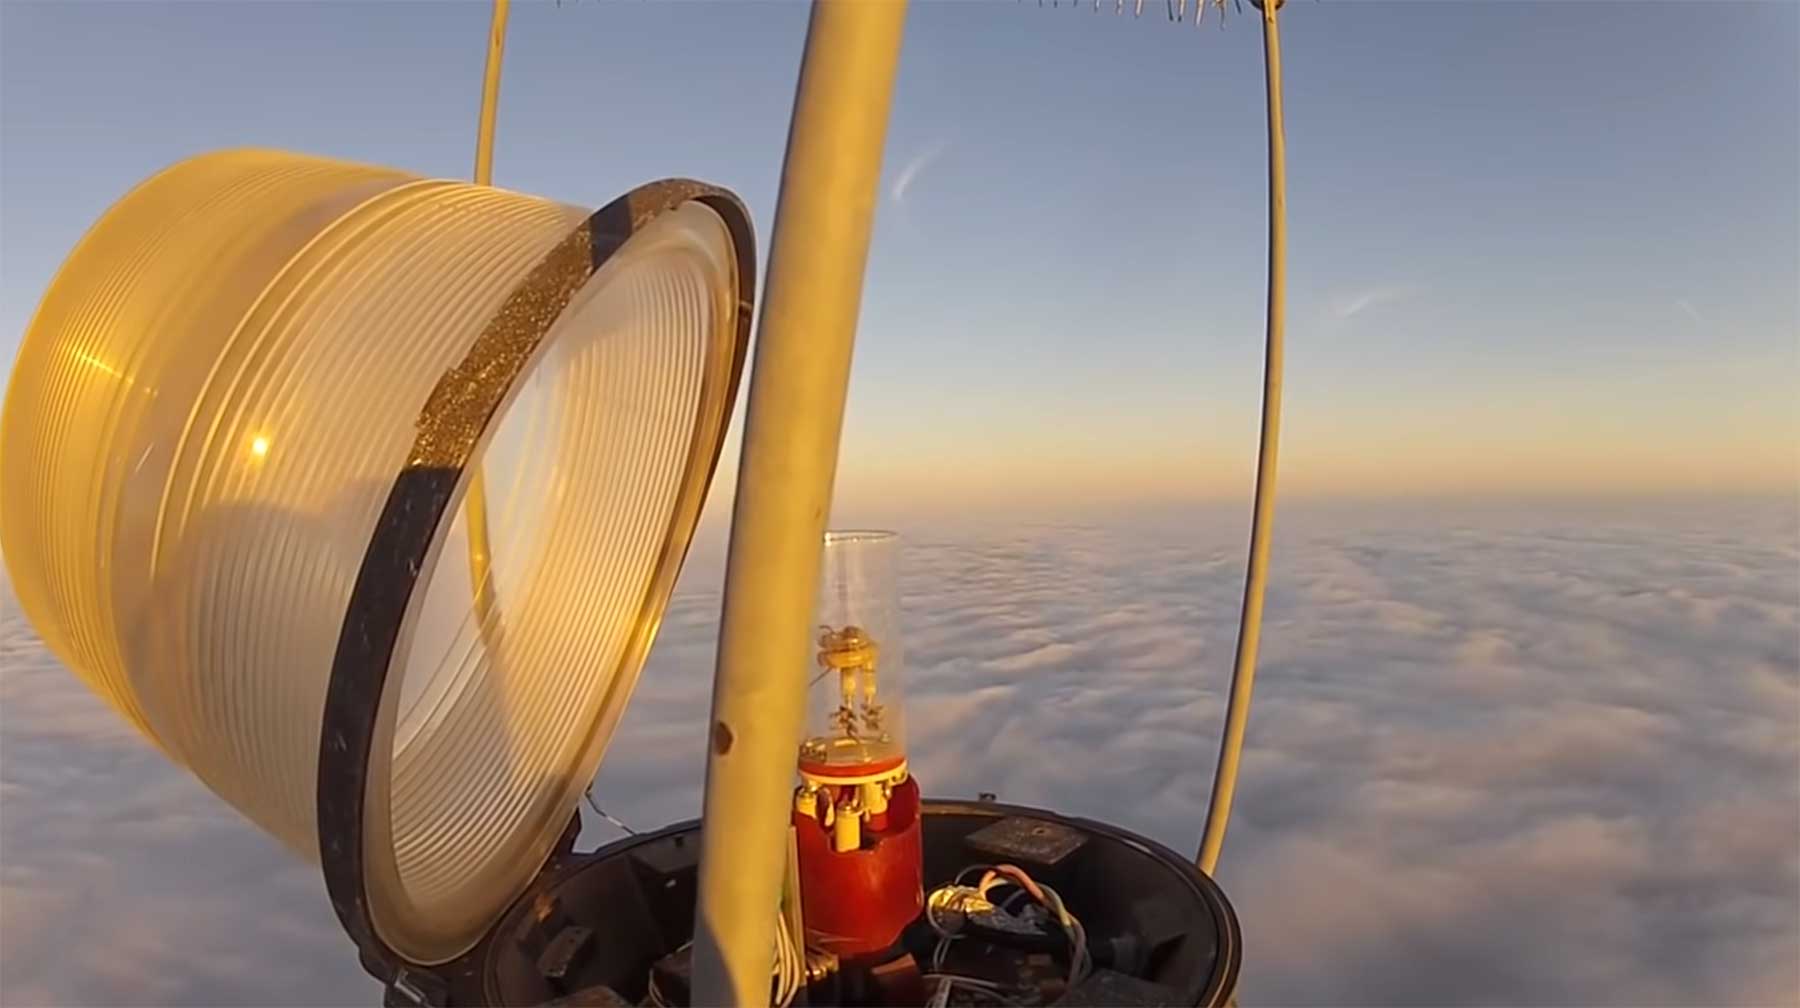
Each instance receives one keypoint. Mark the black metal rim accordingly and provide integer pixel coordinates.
(1217, 991)
(1225, 922)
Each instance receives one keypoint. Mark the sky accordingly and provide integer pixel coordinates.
(1535, 249)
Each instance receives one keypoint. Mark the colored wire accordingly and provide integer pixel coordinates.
(788, 976)
(966, 899)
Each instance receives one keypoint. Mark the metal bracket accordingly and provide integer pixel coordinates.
(594, 803)
(415, 989)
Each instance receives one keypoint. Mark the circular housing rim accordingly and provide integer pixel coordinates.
(476, 977)
(354, 760)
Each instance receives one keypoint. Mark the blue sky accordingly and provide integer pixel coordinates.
(1535, 247)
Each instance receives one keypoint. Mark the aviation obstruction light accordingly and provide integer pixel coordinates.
(856, 809)
(233, 463)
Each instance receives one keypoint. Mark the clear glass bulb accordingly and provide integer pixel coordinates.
(856, 717)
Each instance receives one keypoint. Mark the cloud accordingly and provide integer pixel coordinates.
(1689, 310)
(909, 173)
(1349, 305)
(1497, 756)
(124, 881)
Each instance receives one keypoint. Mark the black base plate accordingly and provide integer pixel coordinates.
(590, 929)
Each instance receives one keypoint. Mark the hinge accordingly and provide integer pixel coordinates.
(415, 989)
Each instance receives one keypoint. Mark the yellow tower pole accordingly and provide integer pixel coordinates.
(798, 383)
(1243, 673)
(480, 573)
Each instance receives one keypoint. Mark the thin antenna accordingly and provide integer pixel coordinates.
(1243, 673)
(490, 95)
(480, 555)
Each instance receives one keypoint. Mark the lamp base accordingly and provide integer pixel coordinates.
(593, 927)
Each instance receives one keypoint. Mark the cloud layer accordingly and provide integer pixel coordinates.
(1502, 756)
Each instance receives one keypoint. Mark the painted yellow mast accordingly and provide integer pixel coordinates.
(798, 383)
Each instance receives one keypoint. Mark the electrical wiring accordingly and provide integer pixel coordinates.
(967, 981)
(789, 971)
(953, 898)
(1019, 894)
(947, 910)
(1079, 961)
(790, 964)
(986, 990)
(948, 907)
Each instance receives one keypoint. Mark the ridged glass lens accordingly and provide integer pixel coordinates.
(206, 419)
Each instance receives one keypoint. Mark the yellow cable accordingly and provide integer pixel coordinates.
(480, 557)
(1243, 673)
